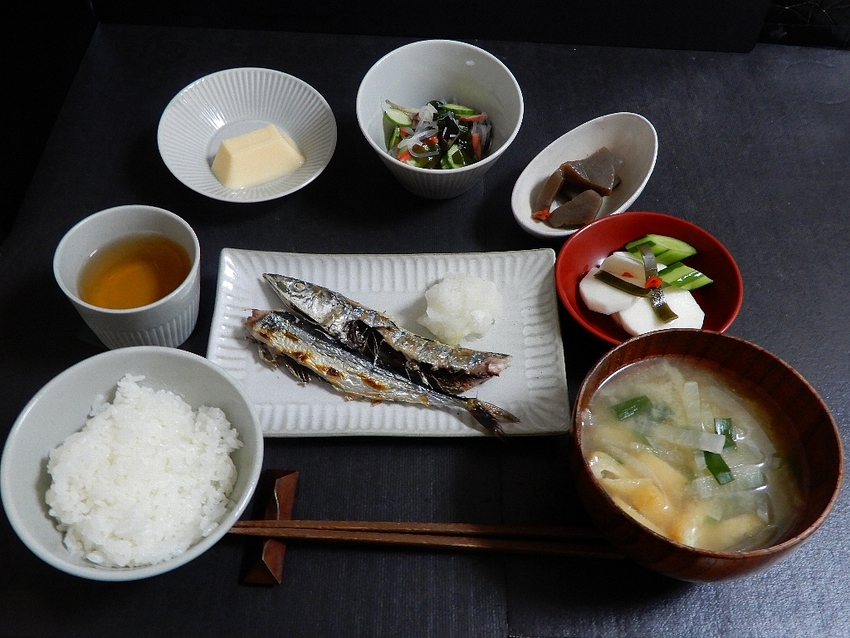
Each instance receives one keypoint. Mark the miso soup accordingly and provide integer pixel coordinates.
(694, 457)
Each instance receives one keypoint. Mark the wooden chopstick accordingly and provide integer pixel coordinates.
(541, 540)
(466, 529)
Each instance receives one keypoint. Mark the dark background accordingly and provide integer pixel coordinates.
(44, 55)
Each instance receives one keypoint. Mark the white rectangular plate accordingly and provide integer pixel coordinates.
(534, 387)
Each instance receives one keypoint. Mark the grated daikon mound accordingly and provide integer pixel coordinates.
(145, 478)
(461, 307)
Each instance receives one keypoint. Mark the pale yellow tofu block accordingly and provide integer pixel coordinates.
(256, 158)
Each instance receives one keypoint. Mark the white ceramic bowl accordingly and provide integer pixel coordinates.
(417, 73)
(166, 322)
(236, 101)
(628, 135)
(61, 408)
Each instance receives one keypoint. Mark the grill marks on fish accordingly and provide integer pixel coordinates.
(285, 340)
(452, 369)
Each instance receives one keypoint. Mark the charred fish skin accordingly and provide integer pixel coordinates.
(396, 349)
(452, 369)
(280, 334)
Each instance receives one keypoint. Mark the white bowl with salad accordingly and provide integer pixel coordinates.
(439, 114)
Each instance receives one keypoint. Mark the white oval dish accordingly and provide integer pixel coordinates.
(628, 135)
(61, 408)
(236, 101)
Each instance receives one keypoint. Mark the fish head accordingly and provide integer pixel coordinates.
(309, 300)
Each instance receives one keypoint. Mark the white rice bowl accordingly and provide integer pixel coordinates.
(61, 408)
(461, 307)
(145, 479)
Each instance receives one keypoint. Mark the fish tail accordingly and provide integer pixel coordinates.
(490, 416)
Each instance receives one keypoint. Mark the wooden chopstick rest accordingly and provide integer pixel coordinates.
(267, 568)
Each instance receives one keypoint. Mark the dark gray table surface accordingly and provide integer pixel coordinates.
(753, 147)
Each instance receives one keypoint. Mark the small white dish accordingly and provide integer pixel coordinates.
(533, 387)
(236, 101)
(628, 135)
(61, 408)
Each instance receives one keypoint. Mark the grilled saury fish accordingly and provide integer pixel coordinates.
(449, 368)
(283, 339)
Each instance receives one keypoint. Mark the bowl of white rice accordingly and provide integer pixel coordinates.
(131, 463)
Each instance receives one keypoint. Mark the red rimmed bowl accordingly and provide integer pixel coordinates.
(586, 248)
(753, 372)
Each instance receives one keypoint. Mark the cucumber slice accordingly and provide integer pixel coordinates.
(394, 138)
(458, 109)
(685, 277)
(398, 117)
(667, 250)
(418, 162)
(457, 157)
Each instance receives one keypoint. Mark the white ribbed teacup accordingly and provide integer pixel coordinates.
(166, 322)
